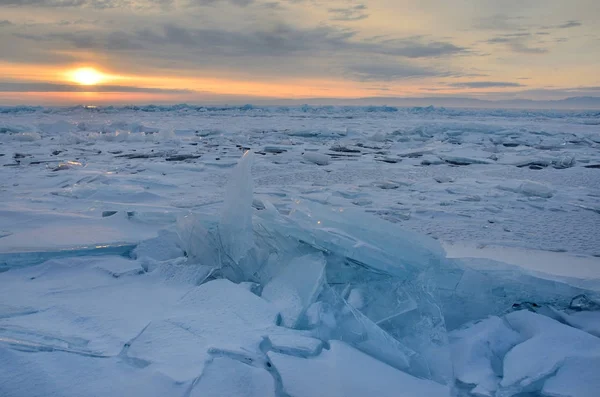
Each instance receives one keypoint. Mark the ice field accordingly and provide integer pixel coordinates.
(302, 251)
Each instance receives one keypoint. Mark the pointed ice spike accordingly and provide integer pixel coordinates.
(235, 225)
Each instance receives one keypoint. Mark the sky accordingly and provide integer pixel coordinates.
(221, 51)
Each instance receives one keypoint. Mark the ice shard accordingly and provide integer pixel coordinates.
(235, 225)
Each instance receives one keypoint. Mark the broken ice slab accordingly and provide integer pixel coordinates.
(363, 238)
(345, 371)
(477, 352)
(294, 344)
(44, 232)
(577, 377)
(477, 287)
(524, 353)
(164, 247)
(27, 341)
(316, 158)
(224, 376)
(22, 259)
(408, 338)
(199, 244)
(548, 346)
(71, 375)
(376, 266)
(296, 287)
(215, 318)
(527, 188)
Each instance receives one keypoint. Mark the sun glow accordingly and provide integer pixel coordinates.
(87, 76)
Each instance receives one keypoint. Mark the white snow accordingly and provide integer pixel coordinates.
(143, 253)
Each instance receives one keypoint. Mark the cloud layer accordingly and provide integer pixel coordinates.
(360, 46)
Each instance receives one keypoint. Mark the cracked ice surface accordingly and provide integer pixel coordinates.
(292, 292)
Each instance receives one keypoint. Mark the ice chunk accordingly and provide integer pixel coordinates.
(528, 188)
(477, 353)
(333, 318)
(548, 346)
(583, 303)
(477, 288)
(161, 248)
(296, 287)
(345, 371)
(537, 189)
(73, 375)
(225, 299)
(350, 233)
(585, 321)
(227, 377)
(402, 310)
(399, 321)
(316, 158)
(216, 316)
(197, 241)
(120, 267)
(171, 349)
(462, 160)
(577, 377)
(235, 225)
(295, 344)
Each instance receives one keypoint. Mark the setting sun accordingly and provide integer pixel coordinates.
(87, 76)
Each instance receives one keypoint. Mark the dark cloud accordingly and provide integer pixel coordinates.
(523, 48)
(566, 25)
(418, 48)
(380, 70)
(553, 93)
(277, 41)
(58, 3)
(273, 5)
(519, 43)
(353, 13)
(261, 45)
(4, 23)
(49, 87)
(499, 22)
(485, 84)
(240, 3)
(97, 4)
(570, 24)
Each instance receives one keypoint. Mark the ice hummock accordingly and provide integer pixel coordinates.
(387, 292)
(321, 300)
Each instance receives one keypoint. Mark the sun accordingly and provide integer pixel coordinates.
(87, 76)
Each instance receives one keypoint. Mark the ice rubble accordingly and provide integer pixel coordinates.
(525, 352)
(391, 294)
(329, 301)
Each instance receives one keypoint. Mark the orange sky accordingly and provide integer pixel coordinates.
(224, 50)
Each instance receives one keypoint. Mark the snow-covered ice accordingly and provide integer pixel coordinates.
(310, 251)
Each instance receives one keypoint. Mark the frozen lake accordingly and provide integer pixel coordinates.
(138, 257)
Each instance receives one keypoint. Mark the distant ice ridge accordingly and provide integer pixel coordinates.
(341, 275)
(314, 109)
